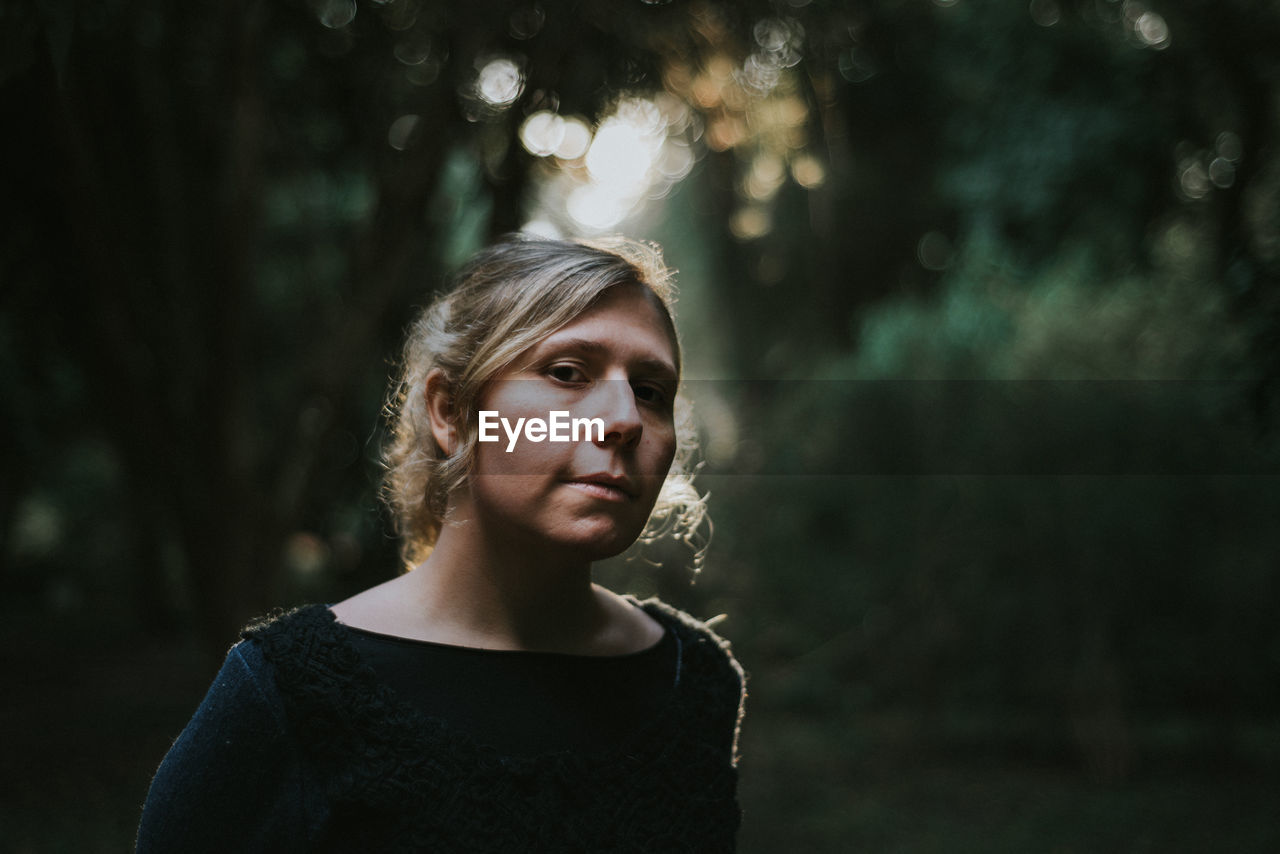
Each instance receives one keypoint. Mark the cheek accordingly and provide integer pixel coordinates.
(527, 458)
(661, 452)
(668, 456)
(518, 455)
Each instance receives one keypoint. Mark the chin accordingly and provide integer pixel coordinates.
(599, 545)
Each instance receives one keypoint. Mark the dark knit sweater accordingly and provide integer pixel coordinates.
(523, 703)
(299, 746)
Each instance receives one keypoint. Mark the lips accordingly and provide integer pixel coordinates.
(605, 485)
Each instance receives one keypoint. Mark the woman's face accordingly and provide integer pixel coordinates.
(615, 362)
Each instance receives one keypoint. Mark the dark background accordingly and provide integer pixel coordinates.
(981, 315)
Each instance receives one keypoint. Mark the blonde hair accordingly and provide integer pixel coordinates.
(507, 298)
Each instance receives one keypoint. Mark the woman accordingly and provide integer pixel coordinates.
(492, 698)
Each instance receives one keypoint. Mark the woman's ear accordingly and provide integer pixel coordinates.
(439, 397)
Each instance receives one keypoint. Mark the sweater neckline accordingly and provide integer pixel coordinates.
(382, 709)
(513, 654)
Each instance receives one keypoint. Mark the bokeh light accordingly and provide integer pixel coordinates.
(398, 16)
(542, 133)
(542, 228)
(1152, 29)
(526, 22)
(625, 147)
(400, 134)
(637, 152)
(575, 141)
(808, 171)
(1193, 178)
(934, 251)
(1228, 145)
(1148, 27)
(765, 176)
(677, 160)
(857, 65)
(597, 207)
(751, 222)
(755, 107)
(500, 82)
(336, 13)
(1222, 172)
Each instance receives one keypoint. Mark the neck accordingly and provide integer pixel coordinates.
(503, 594)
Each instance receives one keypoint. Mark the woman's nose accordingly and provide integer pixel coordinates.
(617, 407)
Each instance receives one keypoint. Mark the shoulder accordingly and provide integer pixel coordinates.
(308, 654)
(315, 668)
(280, 634)
(242, 696)
(689, 627)
(709, 672)
(703, 650)
(281, 620)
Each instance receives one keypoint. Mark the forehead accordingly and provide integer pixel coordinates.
(628, 319)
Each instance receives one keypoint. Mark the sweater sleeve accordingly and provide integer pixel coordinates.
(732, 709)
(728, 696)
(232, 780)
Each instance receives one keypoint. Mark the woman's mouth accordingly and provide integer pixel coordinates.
(604, 486)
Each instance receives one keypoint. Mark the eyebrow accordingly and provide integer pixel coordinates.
(657, 368)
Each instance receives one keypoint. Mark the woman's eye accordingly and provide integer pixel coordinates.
(566, 374)
(653, 394)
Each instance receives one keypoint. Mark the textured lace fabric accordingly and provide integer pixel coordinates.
(392, 779)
